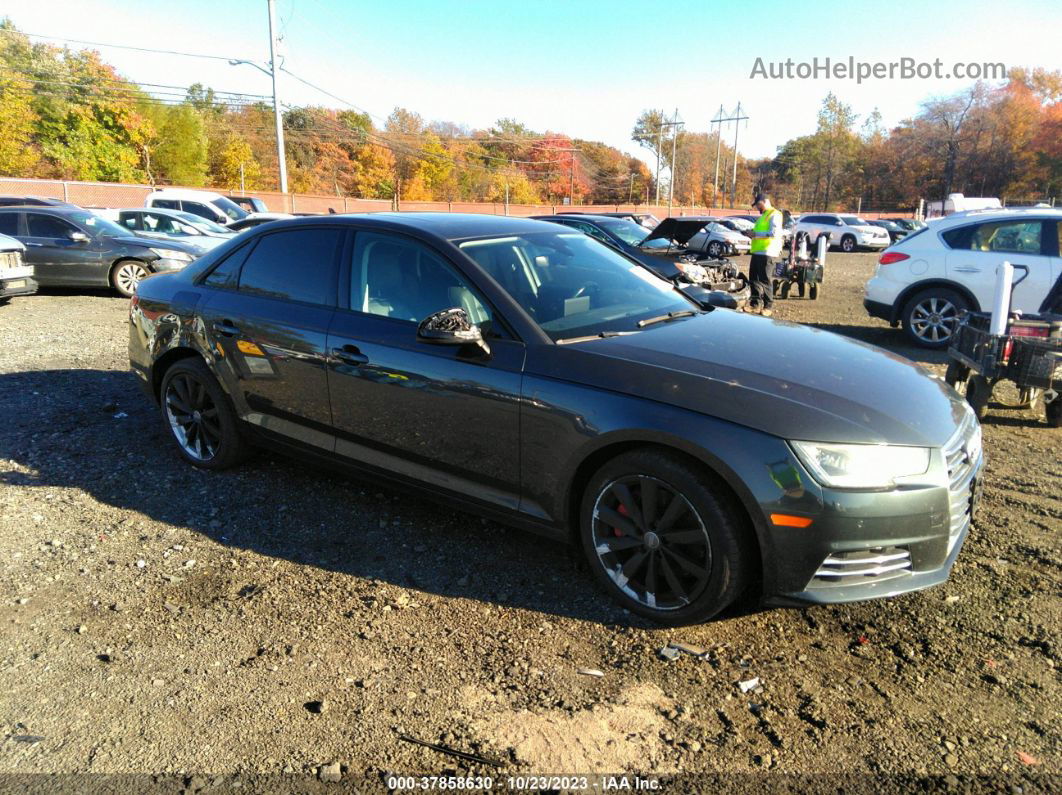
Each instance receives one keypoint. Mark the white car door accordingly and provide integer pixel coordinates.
(976, 251)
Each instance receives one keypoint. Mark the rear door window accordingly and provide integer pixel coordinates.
(9, 224)
(296, 265)
(165, 204)
(1011, 237)
(201, 210)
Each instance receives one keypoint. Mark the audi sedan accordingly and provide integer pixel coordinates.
(531, 373)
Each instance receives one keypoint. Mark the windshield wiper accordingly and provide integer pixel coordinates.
(663, 318)
(599, 336)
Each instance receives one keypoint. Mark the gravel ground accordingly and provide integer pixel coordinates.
(274, 625)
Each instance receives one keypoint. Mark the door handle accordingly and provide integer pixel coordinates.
(36, 245)
(226, 328)
(968, 270)
(349, 354)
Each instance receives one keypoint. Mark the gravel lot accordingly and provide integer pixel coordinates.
(230, 628)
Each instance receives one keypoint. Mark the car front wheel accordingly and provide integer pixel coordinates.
(931, 317)
(126, 275)
(715, 249)
(848, 244)
(662, 539)
(198, 416)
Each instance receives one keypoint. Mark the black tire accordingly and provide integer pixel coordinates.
(801, 284)
(813, 292)
(1053, 412)
(931, 316)
(126, 275)
(715, 249)
(786, 287)
(848, 244)
(955, 376)
(210, 438)
(978, 393)
(674, 575)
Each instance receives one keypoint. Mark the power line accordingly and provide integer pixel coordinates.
(117, 46)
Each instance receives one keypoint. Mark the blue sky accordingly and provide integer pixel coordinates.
(583, 67)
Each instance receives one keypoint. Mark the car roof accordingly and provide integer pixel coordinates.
(997, 214)
(185, 193)
(449, 226)
(47, 209)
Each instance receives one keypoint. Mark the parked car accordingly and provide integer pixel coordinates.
(206, 204)
(251, 221)
(34, 201)
(16, 277)
(648, 220)
(910, 224)
(847, 232)
(251, 204)
(71, 247)
(704, 233)
(171, 225)
(669, 260)
(542, 378)
(895, 230)
(927, 280)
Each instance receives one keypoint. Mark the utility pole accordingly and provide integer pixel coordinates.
(674, 141)
(659, 147)
(737, 119)
(718, 144)
(273, 71)
(630, 191)
(274, 67)
(571, 172)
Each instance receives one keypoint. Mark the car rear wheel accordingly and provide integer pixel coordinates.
(931, 317)
(126, 275)
(848, 244)
(198, 416)
(662, 539)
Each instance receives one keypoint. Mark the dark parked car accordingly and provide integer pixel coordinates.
(32, 201)
(251, 204)
(71, 247)
(895, 230)
(715, 282)
(16, 277)
(910, 224)
(533, 374)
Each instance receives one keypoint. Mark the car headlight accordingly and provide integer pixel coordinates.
(861, 466)
(171, 254)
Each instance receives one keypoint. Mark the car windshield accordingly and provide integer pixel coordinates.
(97, 226)
(853, 220)
(202, 223)
(230, 208)
(574, 286)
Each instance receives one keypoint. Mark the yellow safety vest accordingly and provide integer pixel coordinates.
(761, 227)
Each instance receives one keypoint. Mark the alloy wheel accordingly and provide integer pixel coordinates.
(651, 542)
(934, 319)
(127, 276)
(193, 417)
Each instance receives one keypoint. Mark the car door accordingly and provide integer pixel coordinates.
(976, 250)
(56, 257)
(267, 310)
(447, 416)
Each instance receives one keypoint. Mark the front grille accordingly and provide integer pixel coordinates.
(10, 259)
(863, 566)
(962, 454)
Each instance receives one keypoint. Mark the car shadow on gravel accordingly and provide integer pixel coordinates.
(888, 338)
(94, 431)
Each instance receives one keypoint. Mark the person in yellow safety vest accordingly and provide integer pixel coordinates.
(766, 246)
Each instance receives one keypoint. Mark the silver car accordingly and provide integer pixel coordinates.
(172, 225)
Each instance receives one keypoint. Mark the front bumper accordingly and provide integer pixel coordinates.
(872, 545)
(17, 281)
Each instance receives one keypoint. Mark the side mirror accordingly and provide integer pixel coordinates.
(79, 237)
(451, 327)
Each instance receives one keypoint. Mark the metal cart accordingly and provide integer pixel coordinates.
(803, 272)
(1029, 354)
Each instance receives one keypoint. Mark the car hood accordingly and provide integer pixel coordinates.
(792, 381)
(680, 230)
(155, 242)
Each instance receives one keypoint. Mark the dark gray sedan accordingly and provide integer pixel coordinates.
(532, 373)
(71, 247)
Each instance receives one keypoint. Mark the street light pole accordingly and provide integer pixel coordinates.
(274, 68)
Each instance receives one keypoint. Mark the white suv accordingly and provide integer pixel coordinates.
(927, 279)
(847, 232)
(204, 203)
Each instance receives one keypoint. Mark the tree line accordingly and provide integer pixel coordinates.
(67, 114)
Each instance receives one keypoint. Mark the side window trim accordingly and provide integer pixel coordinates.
(241, 253)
